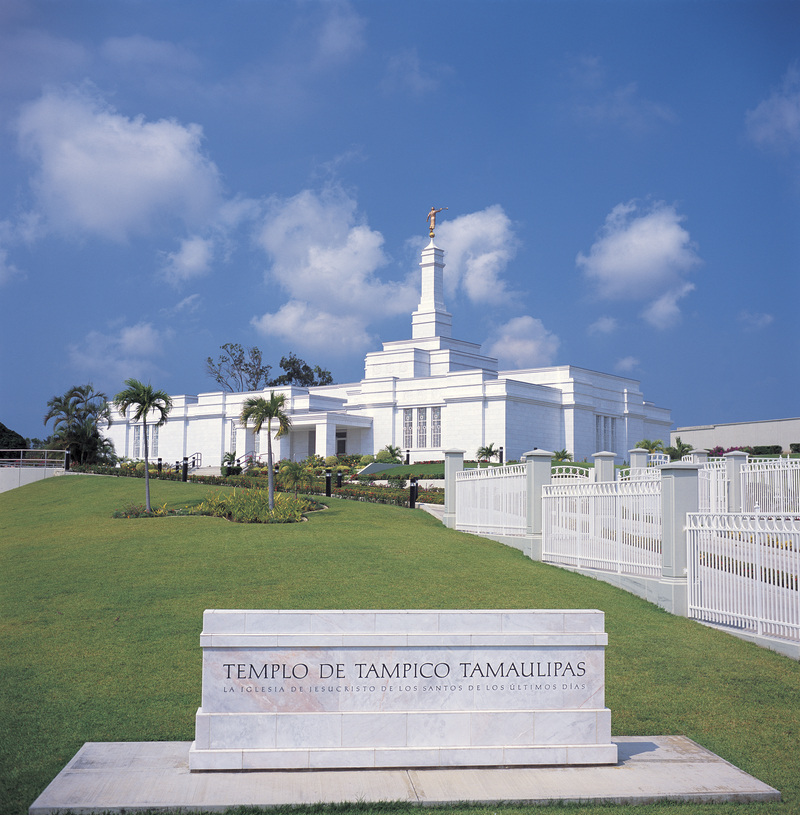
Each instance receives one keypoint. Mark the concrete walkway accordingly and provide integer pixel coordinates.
(130, 777)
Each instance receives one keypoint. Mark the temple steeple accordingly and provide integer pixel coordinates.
(431, 319)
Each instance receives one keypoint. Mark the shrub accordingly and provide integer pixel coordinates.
(367, 459)
(795, 448)
(767, 450)
(252, 506)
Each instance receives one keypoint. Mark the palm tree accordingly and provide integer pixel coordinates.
(562, 455)
(487, 453)
(678, 450)
(145, 400)
(294, 474)
(261, 410)
(77, 417)
(652, 446)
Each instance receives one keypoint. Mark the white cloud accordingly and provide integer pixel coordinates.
(643, 255)
(137, 52)
(405, 74)
(188, 305)
(626, 365)
(478, 248)
(340, 36)
(775, 123)
(7, 269)
(315, 329)
(664, 312)
(102, 173)
(113, 358)
(192, 260)
(622, 107)
(326, 259)
(755, 321)
(603, 325)
(523, 342)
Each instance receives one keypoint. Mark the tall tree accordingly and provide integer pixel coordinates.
(77, 418)
(11, 440)
(239, 369)
(297, 372)
(144, 400)
(259, 410)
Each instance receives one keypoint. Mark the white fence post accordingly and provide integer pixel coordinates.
(638, 458)
(679, 495)
(604, 466)
(733, 472)
(538, 467)
(453, 463)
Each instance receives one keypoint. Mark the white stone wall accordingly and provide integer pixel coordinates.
(776, 431)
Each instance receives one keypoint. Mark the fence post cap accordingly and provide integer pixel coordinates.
(538, 454)
(454, 450)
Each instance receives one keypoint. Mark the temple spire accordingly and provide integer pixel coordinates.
(431, 319)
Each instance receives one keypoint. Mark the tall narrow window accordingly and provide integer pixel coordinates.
(408, 428)
(232, 448)
(436, 427)
(605, 433)
(256, 443)
(137, 440)
(153, 451)
(422, 427)
(341, 442)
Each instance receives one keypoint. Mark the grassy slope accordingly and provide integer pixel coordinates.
(101, 617)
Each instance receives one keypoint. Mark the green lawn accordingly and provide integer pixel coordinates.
(101, 621)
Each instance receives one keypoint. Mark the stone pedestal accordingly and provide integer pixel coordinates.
(327, 689)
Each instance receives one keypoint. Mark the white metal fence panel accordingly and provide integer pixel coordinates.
(743, 572)
(613, 526)
(773, 485)
(492, 501)
(571, 472)
(712, 486)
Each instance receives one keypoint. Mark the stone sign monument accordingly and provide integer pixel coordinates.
(327, 689)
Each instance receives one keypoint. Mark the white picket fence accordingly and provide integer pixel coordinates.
(492, 501)
(613, 526)
(743, 568)
(771, 484)
(712, 487)
(743, 572)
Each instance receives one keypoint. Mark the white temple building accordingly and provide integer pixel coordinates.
(424, 395)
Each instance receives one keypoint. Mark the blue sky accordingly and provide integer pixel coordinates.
(623, 184)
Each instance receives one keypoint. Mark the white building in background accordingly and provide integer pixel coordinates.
(425, 394)
(783, 432)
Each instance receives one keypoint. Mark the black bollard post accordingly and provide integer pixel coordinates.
(412, 493)
(327, 483)
(338, 478)
(159, 466)
(66, 461)
(408, 457)
(501, 455)
(185, 474)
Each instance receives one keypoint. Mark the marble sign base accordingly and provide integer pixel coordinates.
(369, 689)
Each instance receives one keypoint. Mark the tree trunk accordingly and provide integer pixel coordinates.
(271, 485)
(146, 469)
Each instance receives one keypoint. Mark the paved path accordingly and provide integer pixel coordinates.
(117, 777)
